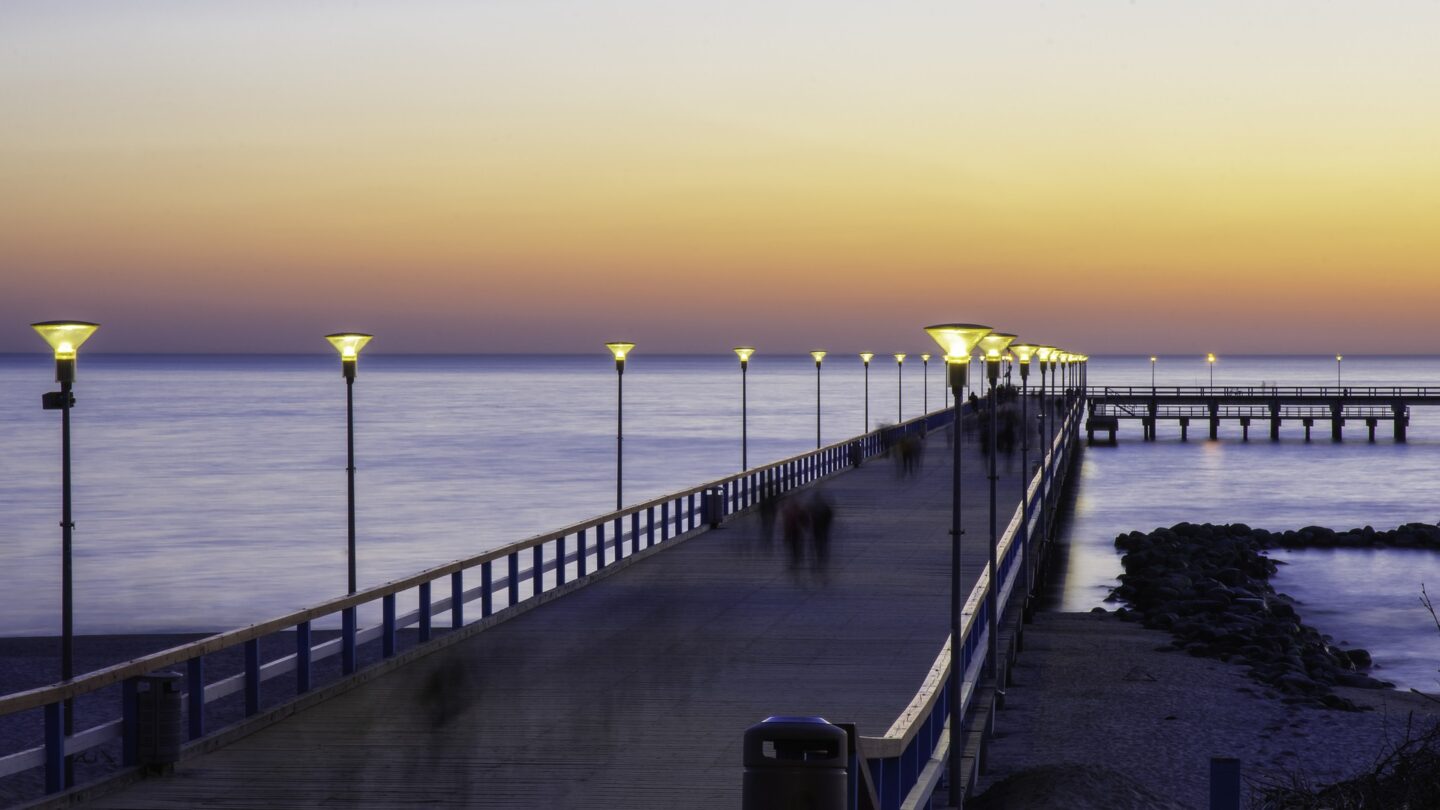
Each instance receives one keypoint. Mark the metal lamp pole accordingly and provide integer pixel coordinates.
(925, 384)
(1338, 358)
(994, 345)
(620, 349)
(899, 388)
(65, 338)
(818, 355)
(349, 345)
(744, 353)
(958, 340)
(865, 357)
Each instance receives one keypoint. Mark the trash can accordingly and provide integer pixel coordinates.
(161, 728)
(795, 763)
(714, 506)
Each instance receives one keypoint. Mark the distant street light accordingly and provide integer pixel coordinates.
(899, 388)
(1023, 352)
(866, 357)
(1210, 358)
(1338, 358)
(620, 349)
(958, 340)
(1152, 373)
(819, 356)
(744, 353)
(925, 387)
(65, 338)
(349, 345)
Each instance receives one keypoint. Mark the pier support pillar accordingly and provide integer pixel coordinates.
(1274, 429)
(1336, 421)
(1214, 428)
(1401, 420)
(1184, 428)
(1370, 424)
(1244, 428)
(1309, 423)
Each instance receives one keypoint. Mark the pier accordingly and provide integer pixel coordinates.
(613, 662)
(1259, 406)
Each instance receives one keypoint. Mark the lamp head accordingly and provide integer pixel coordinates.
(1338, 358)
(993, 345)
(818, 355)
(65, 338)
(924, 358)
(744, 352)
(1024, 351)
(1210, 358)
(349, 345)
(900, 358)
(866, 357)
(621, 350)
(957, 339)
(1152, 358)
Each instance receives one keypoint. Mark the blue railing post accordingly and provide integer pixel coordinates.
(599, 546)
(347, 641)
(252, 677)
(424, 611)
(487, 587)
(537, 569)
(560, 561)
(649, 526)
(130, 722)
(457, 600)
(302, 658)
(580, 552)
(195, 696)
(512, 590)
(387, 625)
(54, 747)
(634, 532)
(619, 538)
(664, 521)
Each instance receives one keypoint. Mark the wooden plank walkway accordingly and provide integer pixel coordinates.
(635, 691)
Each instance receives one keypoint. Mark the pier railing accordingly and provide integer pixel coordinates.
(511, 579)
(1264, 392)
(906, 762)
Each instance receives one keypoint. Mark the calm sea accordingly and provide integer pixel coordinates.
(1369, 599)
(210, 490)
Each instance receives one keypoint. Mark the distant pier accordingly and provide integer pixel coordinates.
(1258, 406)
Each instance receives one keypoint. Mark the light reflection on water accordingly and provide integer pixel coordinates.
(1368, 599)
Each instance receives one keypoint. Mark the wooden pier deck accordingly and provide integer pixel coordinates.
(634, 691)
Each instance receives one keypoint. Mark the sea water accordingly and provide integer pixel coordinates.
(1364, 598)
(210, 490)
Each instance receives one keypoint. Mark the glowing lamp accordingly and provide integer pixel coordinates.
(1210, 358)
(925, 358)
(900, 358)
(1153, 358)
(1338, 358)
(866, 357)
(958, 340)
(620, 349)
(744, 352)
(992, 348)
(818, 355)
(65, 337)
(349, 345)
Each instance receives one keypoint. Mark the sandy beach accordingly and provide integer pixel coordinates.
(1092, 691)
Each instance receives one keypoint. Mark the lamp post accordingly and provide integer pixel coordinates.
(899, 388)
(744, 353)
(993, 347)
(1338, 358)
(1152, 373)
(349, 345)
(65, 338)
(1210, 359)
(958, 340)
(925, 385)
(866, 357)
(819, 356)
(620, 349)
(1023, 352)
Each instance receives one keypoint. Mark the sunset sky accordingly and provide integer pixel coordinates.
(537, 176)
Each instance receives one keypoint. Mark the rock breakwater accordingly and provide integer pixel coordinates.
(1209, 586)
